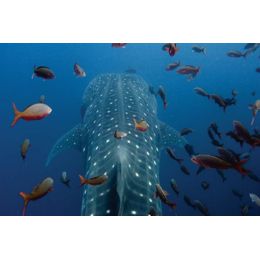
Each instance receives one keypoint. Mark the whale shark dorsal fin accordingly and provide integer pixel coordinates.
(168, 136)
(71, 139)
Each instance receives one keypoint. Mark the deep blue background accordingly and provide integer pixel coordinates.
(219, 74)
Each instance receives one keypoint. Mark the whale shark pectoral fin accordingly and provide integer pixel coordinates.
(168, 136)
(71, 139)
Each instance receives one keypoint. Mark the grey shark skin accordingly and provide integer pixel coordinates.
(110, 102)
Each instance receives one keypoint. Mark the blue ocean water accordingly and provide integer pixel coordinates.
(219, 74)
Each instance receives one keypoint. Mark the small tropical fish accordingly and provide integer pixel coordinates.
(173, 66)
(42, 99)
(255, 108)
(209, 161)
(201, 92)
(175, 186)
(235, 137)
(237, 194)
(79, 71)
(190, 71)
(162, 94)
(204, 185)
(119, 45)
(38, 192)
(141, 125)
(235, 54)
(43, 72)
(189, 202)
(162, 194)
(185, 170)
(172, 155)
(94, 181)
(119, 134)
(219, 100)
(255, 199)
(243, 133)
(25, 147)
(214, 127)
(171, 48)
(33, 112)
(186, 131)
(65, 179)
(199, 49)
(253, 93)
(201, 207)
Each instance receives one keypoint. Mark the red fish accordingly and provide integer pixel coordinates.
(119, 45)
(141, 126)
(171, 48)
(98, 180)
(38, 192)
(36, 111)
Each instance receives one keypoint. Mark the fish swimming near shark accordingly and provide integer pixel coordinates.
(131, 164)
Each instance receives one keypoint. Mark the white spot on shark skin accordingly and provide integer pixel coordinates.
(141, 194)
(101, 194)
(95, 163)
(91, 214)
(97, 148)
(129, 165)
(151, 200)
(129, 124)
(133, 212)
(137, 146)
(91, 200)
(84, 149)
(128, 141)
(137, 174)
(108, 211)
(147, 153)
(108, 140)
(154, 162)
(150, 184)
(99, 134)
(139, 160)
(99, 124)
(149, 167)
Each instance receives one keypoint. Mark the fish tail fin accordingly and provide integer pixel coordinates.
(17, 115)
(26, 201)
(82, 180)
(204, 51)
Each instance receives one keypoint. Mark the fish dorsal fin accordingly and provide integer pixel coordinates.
(71, 139)
(168, 136)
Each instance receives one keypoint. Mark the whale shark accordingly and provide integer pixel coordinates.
(110, 103)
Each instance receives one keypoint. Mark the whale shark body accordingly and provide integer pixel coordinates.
(110, 103)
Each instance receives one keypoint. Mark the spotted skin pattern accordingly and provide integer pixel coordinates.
(111, 101)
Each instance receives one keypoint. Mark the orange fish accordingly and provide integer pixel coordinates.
(33, 112)
(98, 180)
(38, 192)
(141, 125)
